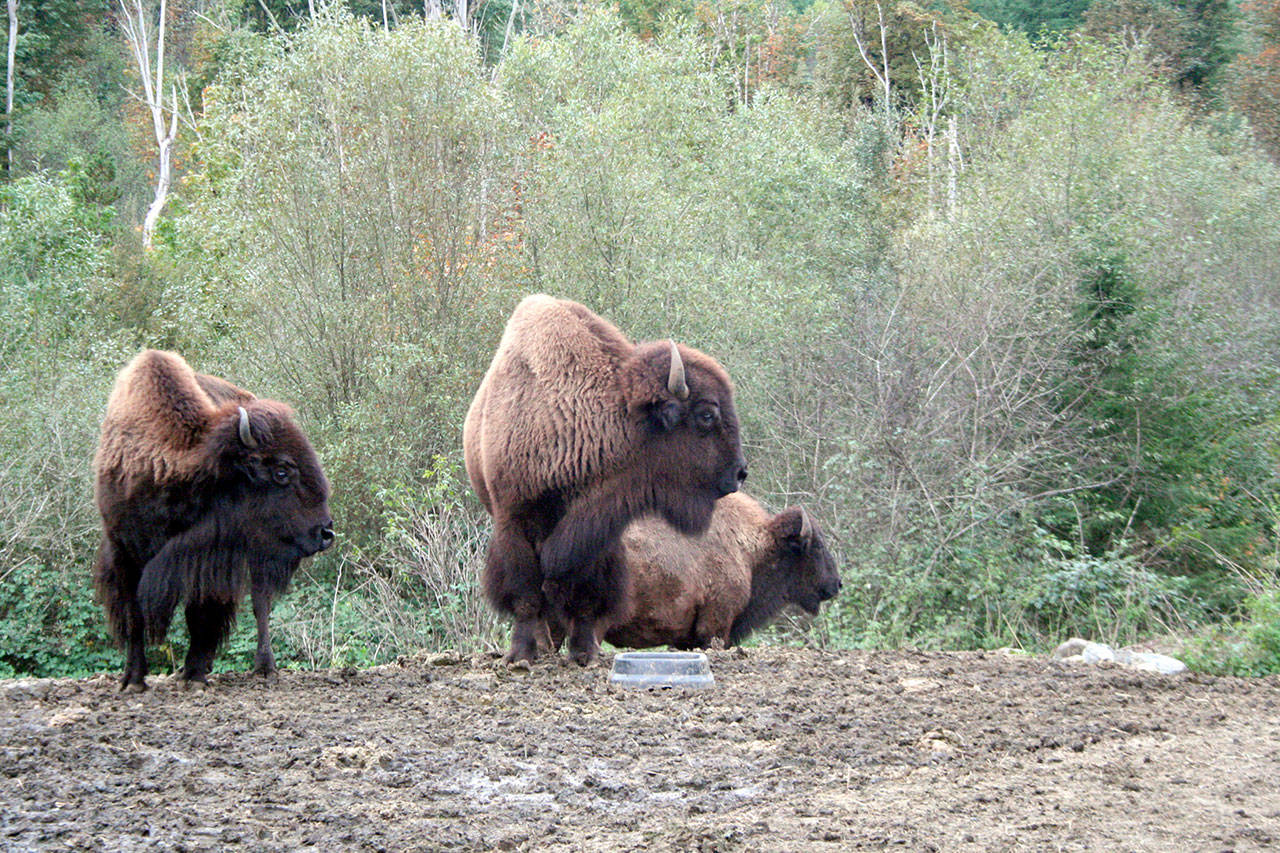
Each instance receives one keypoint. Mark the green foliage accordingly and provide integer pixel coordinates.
(1034, 16)
(51, 257)
(55, 39)
(1014, 341)
(1247, 647)
(1108, 597)
(49, 254)
(50, 625)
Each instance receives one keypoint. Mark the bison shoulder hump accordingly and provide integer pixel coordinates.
(158, 415)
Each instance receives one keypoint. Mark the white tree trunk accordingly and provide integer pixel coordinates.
(134, 26)
(8, 98)
(164, 178)
(954, 164)
(881, 76)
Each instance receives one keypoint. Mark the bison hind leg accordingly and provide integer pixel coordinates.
(528, 638)
(115, 580)
(512, 581)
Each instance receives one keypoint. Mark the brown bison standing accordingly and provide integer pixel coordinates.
(686, 591)
(574, 432)
(206, 492)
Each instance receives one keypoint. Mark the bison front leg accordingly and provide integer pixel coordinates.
(513, 584)
(584, 598)
(264, 662)
(207, 623)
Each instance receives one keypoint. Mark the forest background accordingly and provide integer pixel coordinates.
(999, 286)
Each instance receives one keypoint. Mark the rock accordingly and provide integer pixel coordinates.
(1077, 650)
(1087, 651)
(1151, 662)
(445, 658)
(28, 689)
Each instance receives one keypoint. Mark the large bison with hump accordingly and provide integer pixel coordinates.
(686, 591)
(574, 432)
(206, 492)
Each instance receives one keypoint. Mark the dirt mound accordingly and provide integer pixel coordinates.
(793, 749)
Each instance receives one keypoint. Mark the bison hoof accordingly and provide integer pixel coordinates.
(519, 665)
(517, 657)
(584, 658)
(133, 687)
(197, 684)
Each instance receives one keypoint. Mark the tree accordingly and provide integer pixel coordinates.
(1255, 74)
(138, 36)
(8, 98)
(1033, 16)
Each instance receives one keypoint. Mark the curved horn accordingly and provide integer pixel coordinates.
(806, 527)
(676, 383)
(246, 434)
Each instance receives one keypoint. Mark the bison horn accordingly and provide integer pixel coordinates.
(676, 383)
(246, 434)
(806, 527)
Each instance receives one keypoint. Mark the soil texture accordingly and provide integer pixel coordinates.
(792, 749)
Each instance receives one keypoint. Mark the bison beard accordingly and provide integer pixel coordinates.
(206, 493)
(573, 432)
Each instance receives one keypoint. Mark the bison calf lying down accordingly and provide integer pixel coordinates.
(206, 492)
(573, 432)
(686, 591)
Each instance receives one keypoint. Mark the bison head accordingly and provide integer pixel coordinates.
(690, 443)
(275, 492)
(803, 559)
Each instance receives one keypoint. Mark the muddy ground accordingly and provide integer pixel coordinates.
(792, 750)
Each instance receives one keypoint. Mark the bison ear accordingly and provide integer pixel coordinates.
(664, 415)
(792, 527)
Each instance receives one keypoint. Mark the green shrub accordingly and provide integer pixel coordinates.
(1247, 647)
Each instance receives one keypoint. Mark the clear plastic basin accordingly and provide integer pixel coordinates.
(661, 669)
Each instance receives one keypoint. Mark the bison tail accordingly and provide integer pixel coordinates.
(111, 588)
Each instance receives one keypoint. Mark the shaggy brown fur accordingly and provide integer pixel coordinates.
(573, 432)
(206, 492)
(686, 591)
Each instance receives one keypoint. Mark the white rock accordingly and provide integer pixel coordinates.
(1089, 651)
(1077, 650)
(1151, 662)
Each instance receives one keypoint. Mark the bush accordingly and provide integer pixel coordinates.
(1247, 647)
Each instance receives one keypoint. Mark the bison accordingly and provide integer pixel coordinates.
(686, 591)
(573, 432)
(206, 492)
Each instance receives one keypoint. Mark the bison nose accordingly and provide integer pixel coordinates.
(731, 478)
(324, 535)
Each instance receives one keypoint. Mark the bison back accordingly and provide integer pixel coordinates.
(686, 590)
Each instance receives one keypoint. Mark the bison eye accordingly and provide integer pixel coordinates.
(706, 419)
(280, 476)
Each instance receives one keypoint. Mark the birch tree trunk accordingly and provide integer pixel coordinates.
(136, 33)
(882, 77)
(8, 92)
